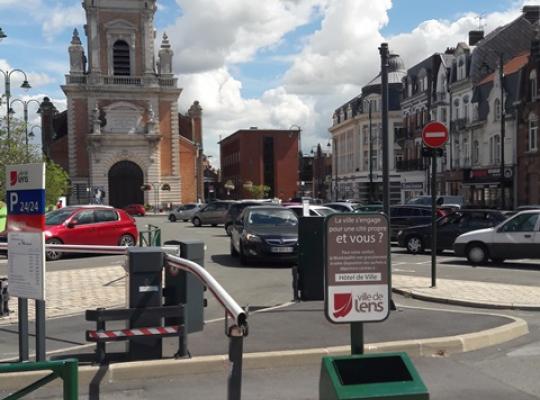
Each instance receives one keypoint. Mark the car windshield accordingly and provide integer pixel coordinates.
(275, 217)
(325, 211)
(57, 217)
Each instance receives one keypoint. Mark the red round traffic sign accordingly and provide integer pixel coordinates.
(435, 134)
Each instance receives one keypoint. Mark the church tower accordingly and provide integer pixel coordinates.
(122, 129)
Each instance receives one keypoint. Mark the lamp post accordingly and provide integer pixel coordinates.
(25, 116)
(7, 92)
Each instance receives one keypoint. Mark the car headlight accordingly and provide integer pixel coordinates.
(252, 238)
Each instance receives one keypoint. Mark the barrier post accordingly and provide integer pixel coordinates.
(236, 348)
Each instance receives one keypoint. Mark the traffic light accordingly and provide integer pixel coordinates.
(429, 152)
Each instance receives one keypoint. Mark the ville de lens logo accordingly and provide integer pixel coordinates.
(19, 177)
(343, 303)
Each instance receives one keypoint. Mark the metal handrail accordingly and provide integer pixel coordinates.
(67, 370)
(232, 308)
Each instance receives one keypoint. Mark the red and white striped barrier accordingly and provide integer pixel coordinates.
(123, 334)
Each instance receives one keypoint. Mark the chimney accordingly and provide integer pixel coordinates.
(475, 37)
(531, 13)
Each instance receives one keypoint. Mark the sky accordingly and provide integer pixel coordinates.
(274, 64)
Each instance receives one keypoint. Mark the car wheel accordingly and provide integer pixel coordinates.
(172, 218)
(476, 253)
(53, 255)
(415, 245)
(229, 229)
(126, 240)
(234, 253)
(243, 257)
(196, 221)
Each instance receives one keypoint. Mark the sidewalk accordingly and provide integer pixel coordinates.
(107, 286)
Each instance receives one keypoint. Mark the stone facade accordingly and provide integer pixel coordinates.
(122, 110)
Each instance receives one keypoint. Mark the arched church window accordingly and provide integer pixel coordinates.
(121, 60)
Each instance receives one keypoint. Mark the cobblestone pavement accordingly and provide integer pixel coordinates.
(74, 291)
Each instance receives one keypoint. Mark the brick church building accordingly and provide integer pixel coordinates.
(122, 128)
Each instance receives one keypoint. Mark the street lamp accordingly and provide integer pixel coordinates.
(2, 34)
(155, 186)
(25, 109)
(7, 92)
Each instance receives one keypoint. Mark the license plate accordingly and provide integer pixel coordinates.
(282, 249)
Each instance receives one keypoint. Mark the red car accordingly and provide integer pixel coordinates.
(135, 209)
(93, 225)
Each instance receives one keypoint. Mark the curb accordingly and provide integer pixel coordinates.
(467, 303)
(140, 370)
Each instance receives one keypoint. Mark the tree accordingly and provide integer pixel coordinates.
(14, 151)
(259, 191)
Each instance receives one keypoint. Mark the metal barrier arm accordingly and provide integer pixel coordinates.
(229, 304)
(71, 248)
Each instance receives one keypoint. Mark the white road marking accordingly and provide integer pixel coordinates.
(412, 271)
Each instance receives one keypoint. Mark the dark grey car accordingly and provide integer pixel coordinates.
(212, 214)
(265, 234)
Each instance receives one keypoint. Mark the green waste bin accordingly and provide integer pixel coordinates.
(390, 376)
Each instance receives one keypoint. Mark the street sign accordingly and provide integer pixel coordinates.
(434, 134)
(25, 184)
(357, 272)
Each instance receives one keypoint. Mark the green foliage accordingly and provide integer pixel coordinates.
(259, 191)
(14, 151)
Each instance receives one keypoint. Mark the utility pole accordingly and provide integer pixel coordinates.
(383, 50)
(371, 197)
(503, 122)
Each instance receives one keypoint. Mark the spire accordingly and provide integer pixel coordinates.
(75, 40)
(165, 42)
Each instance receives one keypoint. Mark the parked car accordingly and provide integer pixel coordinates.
(236, 208)
(426, 200)
(517, 237)
(409, 215)
(314, 210)
(184, 212)
(212, 213)
(343, 206)
(300, 200)
(418, 238)
(266, 234)
(376, 207)
(135, 209)
(90, 225)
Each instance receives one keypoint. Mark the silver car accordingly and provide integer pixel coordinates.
(212, 214)
(184, 212)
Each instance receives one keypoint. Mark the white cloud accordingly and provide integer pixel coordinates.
(212, 37)
(60, 18)
(211, 33)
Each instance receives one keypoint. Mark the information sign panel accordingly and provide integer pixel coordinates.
(25, 186)
(357, 273)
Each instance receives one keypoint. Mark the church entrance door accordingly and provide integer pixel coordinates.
(125, 181)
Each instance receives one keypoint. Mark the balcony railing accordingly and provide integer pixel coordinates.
(410, 165)
(119, 80)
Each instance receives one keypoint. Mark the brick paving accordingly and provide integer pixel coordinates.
(495, 295)
(74, 291)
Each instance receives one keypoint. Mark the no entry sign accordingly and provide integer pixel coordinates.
(434, 135)
(357, 287)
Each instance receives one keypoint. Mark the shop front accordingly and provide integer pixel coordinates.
(485, 187)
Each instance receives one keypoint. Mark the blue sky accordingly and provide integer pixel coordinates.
(292, 63)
